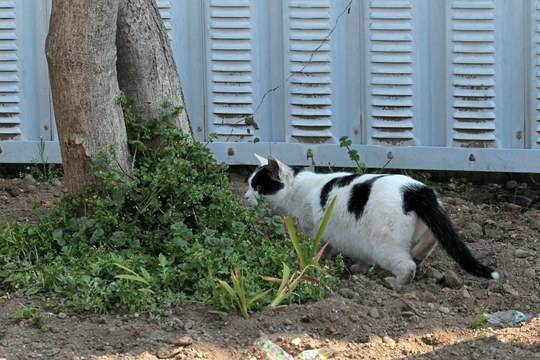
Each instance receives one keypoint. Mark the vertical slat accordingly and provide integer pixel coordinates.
(535, 48)
(231, 69)
(473, 73)
(188, 45)
(308, 77)
(392, 77)
(9, 73)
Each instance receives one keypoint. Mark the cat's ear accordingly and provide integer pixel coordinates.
(278, 170)
(273, 166)
(262, 160)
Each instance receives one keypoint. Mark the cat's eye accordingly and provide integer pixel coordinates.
(258, 188)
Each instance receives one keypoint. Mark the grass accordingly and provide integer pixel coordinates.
(238, 293)
(41, 169)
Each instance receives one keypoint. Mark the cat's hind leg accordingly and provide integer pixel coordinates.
(424, 243)
(397, 259)
(390, 248)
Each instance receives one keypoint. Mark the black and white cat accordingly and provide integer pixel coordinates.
(392, 221)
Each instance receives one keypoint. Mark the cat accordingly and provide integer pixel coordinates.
(392, 221)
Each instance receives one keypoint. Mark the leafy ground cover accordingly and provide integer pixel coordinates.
(169, 230)
(364, 319)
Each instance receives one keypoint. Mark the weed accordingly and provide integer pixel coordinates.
(422, 176)
(479, 318)
(482, 335)
(145, 241)
(361, 167)
(33, 313)
(310, 256)
(499, 207)
(133, 276)
(308, 260)
(461, 183)
(238, 293)
(345, 142)
(41, 169)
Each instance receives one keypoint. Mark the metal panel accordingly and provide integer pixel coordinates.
(434, 77)
(232, 69)
(446, 85)
(37, 120)
(473, 73)
(25, 106)
(534, 98)
(308, 75)
(392, 73)
(9, 73)
(376, 156)
(165, 10)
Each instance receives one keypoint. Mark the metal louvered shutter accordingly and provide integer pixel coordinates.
(392, 76)
(9, 73)
(434, 85)
(443, 85)
(232, 69)
(309, 71)
(26, 120)
(165, 10)
(474, 75)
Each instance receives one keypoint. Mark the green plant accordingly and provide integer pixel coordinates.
(310, 255)
(479, 318)
(345, 142)
(361, 167)
(133, 276)
(238, 293)
(308, 258)
(146, 241)
(41, 169)
(482, 335)
(462, 183)
(422, 176)
(34, 314)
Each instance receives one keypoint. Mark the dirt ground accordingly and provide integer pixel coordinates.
(368, 318)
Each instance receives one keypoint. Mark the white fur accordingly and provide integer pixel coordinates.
(262, 160)
(384, 235)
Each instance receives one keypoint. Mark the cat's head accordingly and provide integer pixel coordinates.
(271, 180)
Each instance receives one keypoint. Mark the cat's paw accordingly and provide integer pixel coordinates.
(405, 272)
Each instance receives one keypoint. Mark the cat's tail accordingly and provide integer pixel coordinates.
(423, 200)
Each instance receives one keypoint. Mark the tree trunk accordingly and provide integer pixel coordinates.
(146, 67)
(81, 54)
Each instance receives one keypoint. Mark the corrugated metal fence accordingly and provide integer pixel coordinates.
(428, 84)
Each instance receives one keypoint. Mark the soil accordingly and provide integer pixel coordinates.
(367, 318)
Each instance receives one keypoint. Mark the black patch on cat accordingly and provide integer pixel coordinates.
(360, 196)
(335, 182)
(264, 183)
(420, 198)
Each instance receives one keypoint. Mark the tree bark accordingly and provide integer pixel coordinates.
(81, 55)
(146, 67)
